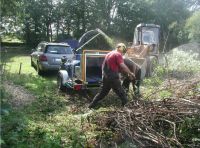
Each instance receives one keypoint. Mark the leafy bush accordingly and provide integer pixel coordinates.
(180, 60)
(193, 27)
(188, 130)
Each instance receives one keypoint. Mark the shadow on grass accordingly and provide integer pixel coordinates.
(7, 53)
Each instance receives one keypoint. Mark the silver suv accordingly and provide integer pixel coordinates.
(47, 56)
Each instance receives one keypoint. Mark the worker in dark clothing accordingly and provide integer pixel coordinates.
(136, 69)
(112, 65)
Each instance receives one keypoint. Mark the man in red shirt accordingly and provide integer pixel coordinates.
(113, 64)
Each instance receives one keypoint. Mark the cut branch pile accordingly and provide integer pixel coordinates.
(154, 123)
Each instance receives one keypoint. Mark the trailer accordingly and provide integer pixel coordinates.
(82, 74)
(85, 71)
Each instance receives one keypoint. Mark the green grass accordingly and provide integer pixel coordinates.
(183, 61)
(50, 121)
(14, 57)
(11, 38)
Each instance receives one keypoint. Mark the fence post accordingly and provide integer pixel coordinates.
(20, 68)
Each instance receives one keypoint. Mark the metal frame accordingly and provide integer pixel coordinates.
(84, 55)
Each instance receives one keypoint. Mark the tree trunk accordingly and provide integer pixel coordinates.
(83, 16)
(68, 27)
(51, 37)
(47, 31)
(28, 40)
(57, 29)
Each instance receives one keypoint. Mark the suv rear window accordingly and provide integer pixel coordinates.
(55, 49)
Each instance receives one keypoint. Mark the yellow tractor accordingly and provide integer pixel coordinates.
(144, 50)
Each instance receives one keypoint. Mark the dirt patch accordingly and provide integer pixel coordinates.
(20, 96)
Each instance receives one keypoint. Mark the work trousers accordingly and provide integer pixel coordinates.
(108, 84)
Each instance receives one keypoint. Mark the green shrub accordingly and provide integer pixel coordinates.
(180, 60)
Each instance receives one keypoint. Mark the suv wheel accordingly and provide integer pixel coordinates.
(39, 71)
(32, 64)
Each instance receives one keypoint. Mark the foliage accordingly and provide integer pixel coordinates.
(44, 20)
(192, 26)
(180, 63)
(188, 130)
(180, 60)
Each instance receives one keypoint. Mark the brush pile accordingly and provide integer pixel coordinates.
(158, 123)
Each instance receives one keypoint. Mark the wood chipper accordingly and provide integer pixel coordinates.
(85, 71)
(145, 47)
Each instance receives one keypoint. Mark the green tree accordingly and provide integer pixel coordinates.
(10, 23)
(170, 15)
(48, 19)
(193, 26)
(8, 7)
(38, 16)
(130, 13)
(32, 19)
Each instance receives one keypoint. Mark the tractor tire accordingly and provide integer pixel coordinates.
(152, 65)
(148, 67)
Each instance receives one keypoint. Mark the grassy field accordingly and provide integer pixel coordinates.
(55, 119)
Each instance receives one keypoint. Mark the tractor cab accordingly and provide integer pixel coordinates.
(145, 47)
(147, 34)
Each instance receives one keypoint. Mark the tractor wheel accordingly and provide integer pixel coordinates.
(60, 85)
(148, 67)
(151, 65)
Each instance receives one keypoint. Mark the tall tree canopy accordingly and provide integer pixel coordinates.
(193, 26)
(37, 20)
